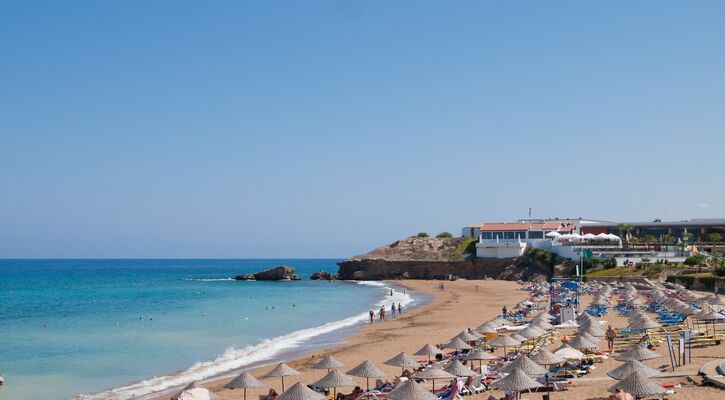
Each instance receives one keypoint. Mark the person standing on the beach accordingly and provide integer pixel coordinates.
(372, 316)
(610, 335)
(391, 292)
(392, 310)
(400, 309)
(382, 313)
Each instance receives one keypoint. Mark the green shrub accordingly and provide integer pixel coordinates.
(422, 234)
(695, 259)
(720, 271)
(443, 235)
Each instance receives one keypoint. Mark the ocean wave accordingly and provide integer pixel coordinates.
(207, 279)
(234, 358)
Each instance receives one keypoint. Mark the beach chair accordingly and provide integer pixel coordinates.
(477, 386)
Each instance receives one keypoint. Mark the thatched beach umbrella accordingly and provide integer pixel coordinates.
(531, 331)
(504, 341)
(580, 343)
(457, 344)
(433, 374)
(631, 366)
(299, 391)
(638, 385)
(191, 385)
(334, 379)
(543, 324)
(328, 363)
(518, 337)
(457, 368)
(282, 370)
(517, 381)
(366, 370)
(569, 353)
(403, 361)
(638, 353)
(480, 355)
(466, 336)
(411, 390)
(524, 364)
(428, 350)
(546, 358)
(244, 381)
(199, 393)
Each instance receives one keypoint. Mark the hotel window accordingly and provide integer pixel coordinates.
(536, 235)
(520, 235)
(508, 235)
(486, 235)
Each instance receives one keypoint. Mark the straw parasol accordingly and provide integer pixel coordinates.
(199, 393)
(299, 391)
(457, 344)
(504, 341)
(545, 357)
(569, 353)
(244, 381)
(433, 374)
(328, 363)
(638, 385)
(457, 368)
(334, 379)
(518, 337)
(366, 370)
(531, 331)
(629, 367)
(282, 370)
(480, 355)
(524, 364)
(638, 353)
(191, 385)
(516, 381)
(543, 324)
(427, 350)
(466, 336)
(403, 361)
(580, 343)
(411, 390)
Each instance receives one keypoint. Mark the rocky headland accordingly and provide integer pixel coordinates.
(441, 258)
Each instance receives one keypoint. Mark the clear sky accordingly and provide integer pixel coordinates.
(324, 129)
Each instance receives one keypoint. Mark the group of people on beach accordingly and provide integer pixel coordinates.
(381, 312)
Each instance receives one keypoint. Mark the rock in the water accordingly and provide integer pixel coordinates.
(321, 275)
(280, 273)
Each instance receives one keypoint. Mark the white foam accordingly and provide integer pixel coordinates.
(233, 358)
(208, 279)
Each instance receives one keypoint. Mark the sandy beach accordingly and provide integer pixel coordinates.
(463, 304)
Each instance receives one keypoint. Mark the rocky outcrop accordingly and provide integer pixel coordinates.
(321, 275)
(427, 258)
(280, 273)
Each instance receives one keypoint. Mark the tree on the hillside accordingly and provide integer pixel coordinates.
(634, 240)
(422, 234)
(657, 220)
(443, 235)
(668, 239)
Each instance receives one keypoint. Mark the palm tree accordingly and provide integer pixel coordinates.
(649, 239)
(686, 236)
(624, 229)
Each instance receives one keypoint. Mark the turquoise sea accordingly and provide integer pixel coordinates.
(121, 329)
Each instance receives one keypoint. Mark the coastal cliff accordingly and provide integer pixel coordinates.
(439, 258)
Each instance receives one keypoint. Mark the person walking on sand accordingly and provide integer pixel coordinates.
(382, 314)
(392, 310)
(610, 335)
(372, 316)
(400, 310)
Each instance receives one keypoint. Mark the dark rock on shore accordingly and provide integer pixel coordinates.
(280, 273)
(321, 275)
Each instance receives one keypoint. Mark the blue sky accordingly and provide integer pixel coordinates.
(323, 129)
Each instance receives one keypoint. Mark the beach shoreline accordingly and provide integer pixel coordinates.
(377, 342)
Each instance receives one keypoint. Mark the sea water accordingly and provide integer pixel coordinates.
(121, 329)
